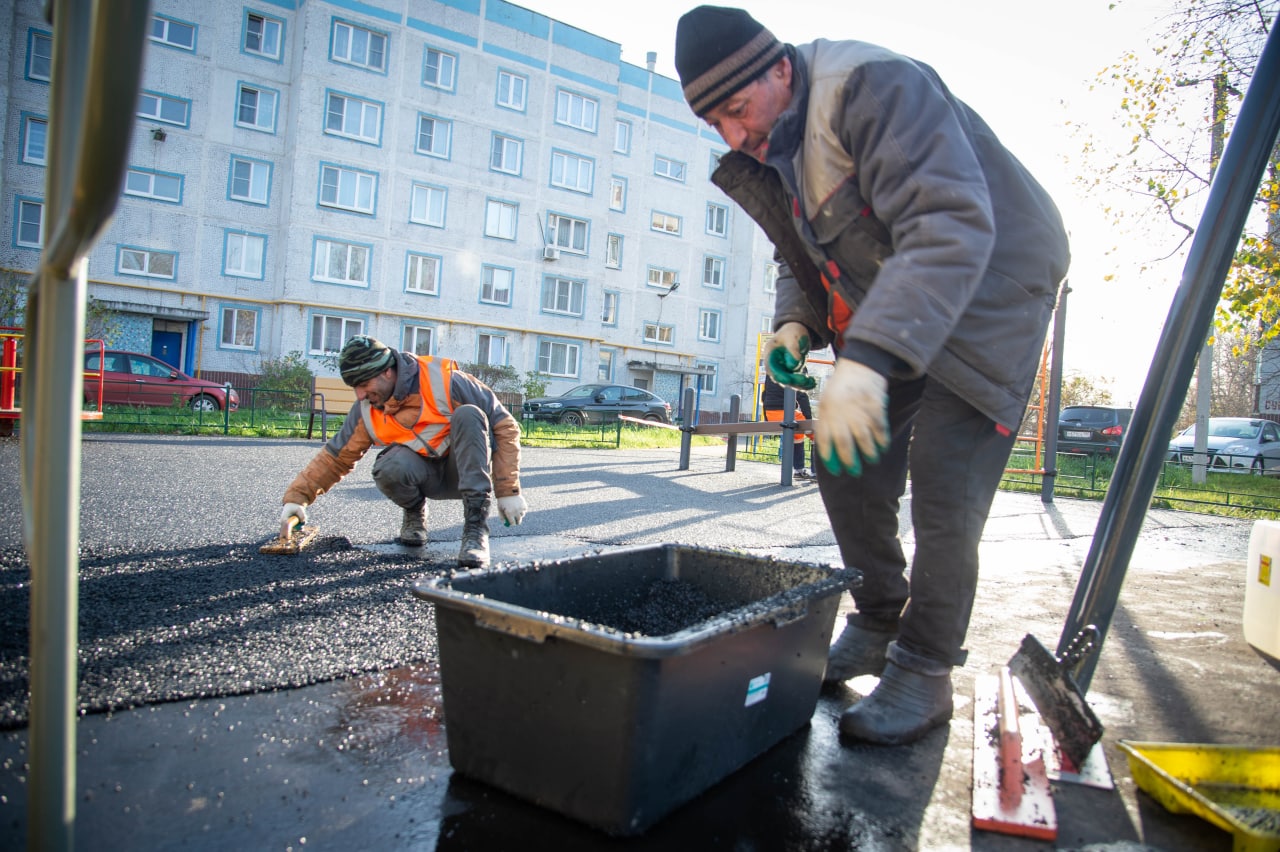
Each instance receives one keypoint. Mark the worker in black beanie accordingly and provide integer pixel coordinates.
(912, 242)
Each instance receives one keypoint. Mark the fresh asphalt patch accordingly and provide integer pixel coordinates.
(211, 621)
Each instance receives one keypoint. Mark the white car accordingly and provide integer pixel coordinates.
(1235, 444)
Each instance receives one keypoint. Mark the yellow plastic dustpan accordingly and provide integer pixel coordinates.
(1237, 788)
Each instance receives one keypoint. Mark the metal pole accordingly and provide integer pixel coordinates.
(1137, 468)
(731, 453)
(97, 63)
(786, 443)
(1054, 397)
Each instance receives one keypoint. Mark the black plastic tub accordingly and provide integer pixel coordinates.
(552, 694)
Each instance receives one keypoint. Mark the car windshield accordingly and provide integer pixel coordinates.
(1228, 429)
(1088, 415)
(582, 391)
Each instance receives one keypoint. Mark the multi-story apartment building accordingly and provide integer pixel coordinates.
(457, 177)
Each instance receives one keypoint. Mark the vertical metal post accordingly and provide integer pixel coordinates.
(1231, 196)
(787, 442)
(97, 63)
(731, 452)
(1054, 397)
(686, 430)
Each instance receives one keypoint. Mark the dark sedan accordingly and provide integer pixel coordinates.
(598, 404)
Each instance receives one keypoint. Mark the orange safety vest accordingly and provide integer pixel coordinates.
(430, 435)
(840, 313)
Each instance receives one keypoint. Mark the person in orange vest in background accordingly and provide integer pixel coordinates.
(444, 436)
(919, 248)
(771, 399)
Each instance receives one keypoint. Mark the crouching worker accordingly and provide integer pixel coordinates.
(444, 434)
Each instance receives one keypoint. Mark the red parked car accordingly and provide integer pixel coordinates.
(131, 378)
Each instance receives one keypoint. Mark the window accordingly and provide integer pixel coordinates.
(562, 296)
(710, 380)
(567, 233)
(353, 118)
(329, 333)
(617, 193)
(417, 339)
(262, 35)
(347, 189)
(158, 107)
(250, 181)
(622, 136)
(495, 285)
(663, 278)
(148, 263)
(613, 251)
(355, 45)
(668, 168)
(709, 325)
(438, 69)
(604, 370)
(663, 334)
(35, 137)
(243, 254)
(239, 329)
(256, 108)
(491, 349)
(717, 220)
(569, 171)
(506, 154)
(609, 310)
(427, 204)
(173, 33)
(39, 55)
(713, 272)
(665, 222)
(558, 359)
(500, 220)
(341, 263)
(29, 224)
(422, 274)
(715, 161)
(574, 110)
(157, 186)
(433, 136)
(771, 277)
(512, 90)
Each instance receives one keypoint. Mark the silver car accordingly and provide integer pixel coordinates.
(1235, 444)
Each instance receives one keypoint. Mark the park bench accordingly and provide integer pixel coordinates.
(788, 428)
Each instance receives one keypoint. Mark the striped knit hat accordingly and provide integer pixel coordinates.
(363, 357)
(718, 52)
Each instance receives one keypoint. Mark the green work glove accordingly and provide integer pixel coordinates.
(785, 353)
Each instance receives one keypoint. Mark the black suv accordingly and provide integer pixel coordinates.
(598, 404)
(1092, 429)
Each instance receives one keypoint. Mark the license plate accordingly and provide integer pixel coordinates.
(1078, 435)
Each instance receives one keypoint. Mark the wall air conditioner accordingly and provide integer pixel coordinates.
(550, 253)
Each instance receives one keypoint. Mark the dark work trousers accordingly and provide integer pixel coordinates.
(408, 478)
(956, 460)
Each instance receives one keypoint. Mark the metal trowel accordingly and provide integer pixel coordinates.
(294, 536)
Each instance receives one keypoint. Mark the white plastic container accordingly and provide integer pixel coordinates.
(1262, 591)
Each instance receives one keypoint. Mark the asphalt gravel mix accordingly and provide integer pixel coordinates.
(209, 621)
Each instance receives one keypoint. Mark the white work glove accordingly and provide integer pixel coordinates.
(853, 422)
(511, 509)
(784, 356)
(291, 510)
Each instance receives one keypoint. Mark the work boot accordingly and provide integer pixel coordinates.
(860, 648)
(905, 705)
(413, 529)
(474, 552)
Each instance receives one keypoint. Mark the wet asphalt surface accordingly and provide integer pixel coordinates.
(295, 702)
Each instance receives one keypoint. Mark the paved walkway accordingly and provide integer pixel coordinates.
(361, 762)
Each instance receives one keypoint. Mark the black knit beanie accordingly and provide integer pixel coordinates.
(363, 357)
(718, 52)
